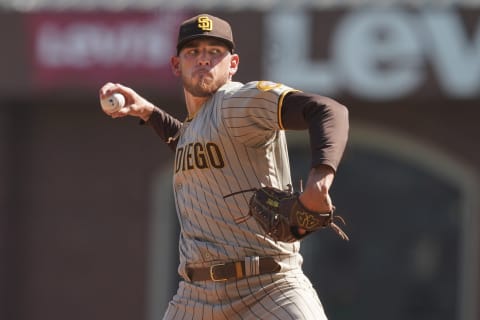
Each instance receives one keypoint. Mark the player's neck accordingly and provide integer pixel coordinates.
(194, 104)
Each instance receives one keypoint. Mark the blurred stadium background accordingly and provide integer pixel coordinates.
(87, 224)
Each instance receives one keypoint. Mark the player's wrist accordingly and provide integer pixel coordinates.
(146, 112)
(323, 170)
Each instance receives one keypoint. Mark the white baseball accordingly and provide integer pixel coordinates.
(113, 103)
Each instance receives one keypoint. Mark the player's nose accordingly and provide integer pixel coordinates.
(204, 58)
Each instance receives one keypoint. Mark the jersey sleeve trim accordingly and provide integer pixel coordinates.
(280, 106)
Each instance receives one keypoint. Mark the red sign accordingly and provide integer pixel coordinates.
(88, 49)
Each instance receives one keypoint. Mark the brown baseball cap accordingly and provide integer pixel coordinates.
(205, 25)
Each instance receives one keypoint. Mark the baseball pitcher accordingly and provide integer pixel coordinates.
(241, 220)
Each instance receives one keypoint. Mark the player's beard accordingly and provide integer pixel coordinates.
(206, 85)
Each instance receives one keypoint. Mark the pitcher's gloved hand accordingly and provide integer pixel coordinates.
(281, 215)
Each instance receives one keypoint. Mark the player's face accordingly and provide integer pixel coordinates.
(204, 66)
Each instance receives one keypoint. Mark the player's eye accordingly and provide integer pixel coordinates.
(191, 52)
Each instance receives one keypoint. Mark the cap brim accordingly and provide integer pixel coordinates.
(184, 41)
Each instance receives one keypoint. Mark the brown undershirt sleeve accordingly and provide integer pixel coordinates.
(326, 121)
(165, 126)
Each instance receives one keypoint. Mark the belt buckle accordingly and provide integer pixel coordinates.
(212, 273)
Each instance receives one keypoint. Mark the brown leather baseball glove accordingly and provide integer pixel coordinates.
(281, 215)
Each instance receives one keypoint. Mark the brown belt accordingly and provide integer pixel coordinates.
(230, 270)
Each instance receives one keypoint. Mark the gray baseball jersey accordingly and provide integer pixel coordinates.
(235, 142)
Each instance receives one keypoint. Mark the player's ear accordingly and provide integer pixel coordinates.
(175, 65)
(234, 61)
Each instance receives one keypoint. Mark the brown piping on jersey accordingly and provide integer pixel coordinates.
(280, 105)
